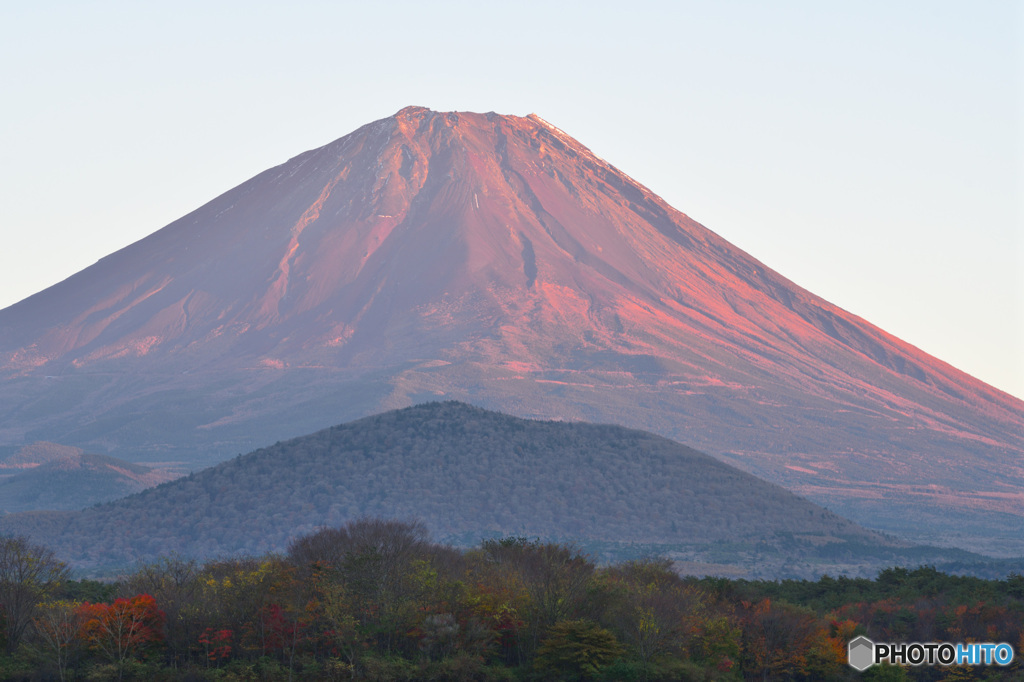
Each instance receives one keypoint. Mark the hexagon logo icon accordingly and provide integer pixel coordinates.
(861, 653)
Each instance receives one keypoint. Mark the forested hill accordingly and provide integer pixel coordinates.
(467, 473)
(49, 476)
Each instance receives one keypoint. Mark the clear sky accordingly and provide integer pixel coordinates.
(870, 151)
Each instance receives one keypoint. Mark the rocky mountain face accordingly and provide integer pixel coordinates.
(495, 259)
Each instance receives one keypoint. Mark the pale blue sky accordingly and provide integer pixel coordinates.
(870, 151)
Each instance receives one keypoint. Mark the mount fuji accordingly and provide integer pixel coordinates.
(496, 260)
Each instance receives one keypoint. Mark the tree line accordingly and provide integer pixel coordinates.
(375, 599)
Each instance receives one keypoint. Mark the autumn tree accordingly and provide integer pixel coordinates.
(237, 595)
(29, 574)
(778, 639)
(576, 650)
(650, 607)
(174, 583)
(333, 619)
(57, 626)
(554, 576)
(373, 559)
(120, 630)
(494, 597)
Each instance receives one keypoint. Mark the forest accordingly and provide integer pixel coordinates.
(469, 474)
(376, 599)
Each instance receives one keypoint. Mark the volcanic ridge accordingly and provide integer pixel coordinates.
(495, 259)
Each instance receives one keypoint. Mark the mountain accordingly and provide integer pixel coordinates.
(51, 476)
(470, 474)
(495, 259)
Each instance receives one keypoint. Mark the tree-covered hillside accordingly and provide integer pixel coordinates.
(469, 474)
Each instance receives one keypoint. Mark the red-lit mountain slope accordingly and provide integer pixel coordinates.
(494, 259)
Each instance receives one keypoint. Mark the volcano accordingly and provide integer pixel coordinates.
(496, 260)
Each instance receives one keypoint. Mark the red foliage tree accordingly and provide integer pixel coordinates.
(119, 630)
(216, 644)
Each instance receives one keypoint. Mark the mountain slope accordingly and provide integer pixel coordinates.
(496, 259)
(51, 476)
(469, 474)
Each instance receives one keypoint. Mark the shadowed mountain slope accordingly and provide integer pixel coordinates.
(469, 474)
(51, 476)
(496, 259)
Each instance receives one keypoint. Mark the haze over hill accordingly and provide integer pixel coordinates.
(51, 476)
(496, 259)
(470, 474)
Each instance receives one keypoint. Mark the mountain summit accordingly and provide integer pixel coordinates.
(497, 260)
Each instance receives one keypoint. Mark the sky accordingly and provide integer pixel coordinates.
(872, 152)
